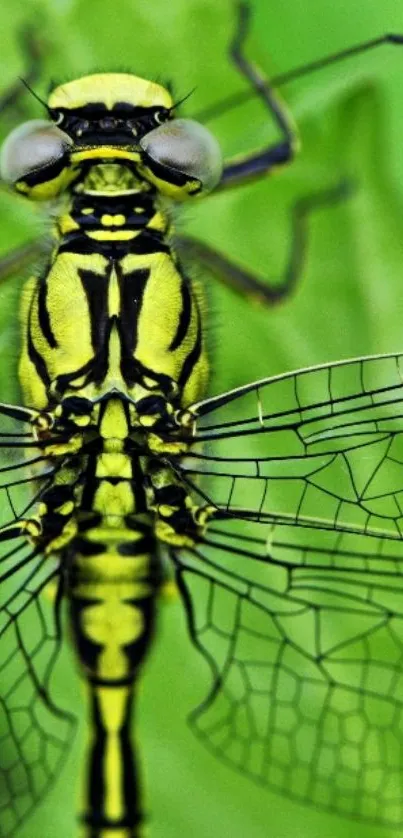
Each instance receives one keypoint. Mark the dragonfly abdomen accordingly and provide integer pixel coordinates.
(111, 584)
(111, 598)
(112, 792)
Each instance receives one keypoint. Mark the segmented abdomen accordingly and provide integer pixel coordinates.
(111, 596)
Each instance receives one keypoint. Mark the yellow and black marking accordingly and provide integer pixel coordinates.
(112, 351)
(112, 346)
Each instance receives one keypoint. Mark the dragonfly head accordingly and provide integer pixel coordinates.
(108, 118)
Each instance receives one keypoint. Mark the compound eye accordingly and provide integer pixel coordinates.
(31, 147)
(186, 146)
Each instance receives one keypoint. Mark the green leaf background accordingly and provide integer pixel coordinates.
(349, 300)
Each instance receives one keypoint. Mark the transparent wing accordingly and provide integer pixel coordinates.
(294, 596)
(34, 733)
(303, 632)
(321, 447)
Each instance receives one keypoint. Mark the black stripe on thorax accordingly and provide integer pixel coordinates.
(131, 286)
(36, 359)
(193, 356)
(43, 314)
(96, 291)
(184, 317)
(66, 379)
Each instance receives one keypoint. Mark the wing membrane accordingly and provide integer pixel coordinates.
(294, 596)
(34, 733)
(322, 447)
(304, 635)
(24, 471)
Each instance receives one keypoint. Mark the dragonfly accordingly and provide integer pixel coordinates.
(119, 475)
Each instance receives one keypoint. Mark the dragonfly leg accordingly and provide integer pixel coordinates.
(243, 169)
(247, 283)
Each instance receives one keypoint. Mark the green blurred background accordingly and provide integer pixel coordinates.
(349, 300)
